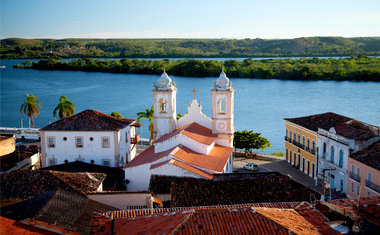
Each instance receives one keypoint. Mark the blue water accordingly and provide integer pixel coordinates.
(260, 105)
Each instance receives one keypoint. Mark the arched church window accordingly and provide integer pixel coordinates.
(162, 105)
(221, 104)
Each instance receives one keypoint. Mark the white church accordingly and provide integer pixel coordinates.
(195, 145)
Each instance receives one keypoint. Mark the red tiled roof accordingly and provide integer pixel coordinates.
(8, 226)
(154, 166)
(89, 120)
(10, 160)
(315, 217)
(353, 132)
(290, 219)
(194, 131)
(209, 221)
(364, 207)
(215, 160)
(148, 156)
(144, 212)
(191, 169)
(156, 224)
(323, 120)
(369, 156)
(236, 221)
(23, 184)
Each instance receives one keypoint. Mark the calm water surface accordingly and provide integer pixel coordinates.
(260, 105)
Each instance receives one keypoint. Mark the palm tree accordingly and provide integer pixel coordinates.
(65, 108)
(148, 114)
(30, 108)
(116, 114)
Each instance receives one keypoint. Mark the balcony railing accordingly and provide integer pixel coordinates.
(372, 186)
(313, 151)
(286, 138)
(135, 139)
(355, 176)
(308, 149)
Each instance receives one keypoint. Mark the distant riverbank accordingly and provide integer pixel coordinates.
(344, 69)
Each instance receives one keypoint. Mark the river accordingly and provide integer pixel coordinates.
(260, 105)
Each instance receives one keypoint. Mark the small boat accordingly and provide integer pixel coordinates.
(2, 67)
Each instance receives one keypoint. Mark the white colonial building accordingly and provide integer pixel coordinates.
(195, 146)
(335, 146)
(90, 136)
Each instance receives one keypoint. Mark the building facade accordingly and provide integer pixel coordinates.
(335, 146)
(300, 148)
(90, 136)
(363, 175)
(195, 145)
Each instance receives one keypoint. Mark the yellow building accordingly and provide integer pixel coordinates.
(301, 139)
(300, 150)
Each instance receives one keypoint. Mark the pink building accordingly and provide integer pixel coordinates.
(364, 172)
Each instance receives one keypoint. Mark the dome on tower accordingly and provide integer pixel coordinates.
(164, 82)
(222, 83)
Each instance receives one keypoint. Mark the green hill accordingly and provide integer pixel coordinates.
(188, 48)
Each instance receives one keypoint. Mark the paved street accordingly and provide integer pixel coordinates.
(279, 166)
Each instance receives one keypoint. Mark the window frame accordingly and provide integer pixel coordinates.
(76, 138)
(162, 105)
(106, 160)
(55, 161)
(102, 142)
(51, 138)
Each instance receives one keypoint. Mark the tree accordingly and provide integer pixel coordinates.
(116, 114)
(148, 114)
(31, 108)
(65, 108)
(250, 140)
(179, 115)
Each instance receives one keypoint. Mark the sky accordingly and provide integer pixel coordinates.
(188, 19)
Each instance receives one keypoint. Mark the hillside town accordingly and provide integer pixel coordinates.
(91, 173)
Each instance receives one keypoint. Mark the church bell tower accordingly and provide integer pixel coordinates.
(223, 110)
(164, 102)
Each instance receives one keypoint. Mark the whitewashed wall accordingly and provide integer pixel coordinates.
(195, 114)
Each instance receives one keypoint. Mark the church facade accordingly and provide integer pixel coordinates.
(195, 145)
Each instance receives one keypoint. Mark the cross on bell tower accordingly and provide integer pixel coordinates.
(194, 93)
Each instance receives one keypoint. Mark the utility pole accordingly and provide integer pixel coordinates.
(323, 182)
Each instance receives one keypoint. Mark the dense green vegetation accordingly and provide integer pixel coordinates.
(248, 140)
(359, 68)
(12, 48)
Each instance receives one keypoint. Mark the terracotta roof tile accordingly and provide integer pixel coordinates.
(89, 120)
(191, 169)
(353, 132)
(63, 209)
(365, 207)
(315, 217)
(145, 212)
(156, 224)
(262, 189)
(24, 184)
(323, 120)
(214, 161)
(205, 221)
(8, 226)
(154, 166)
(369, 155)
(148, 156)
(194, 131)
(114, 176)
(290, 219)
(10, 160)
(225, 221)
